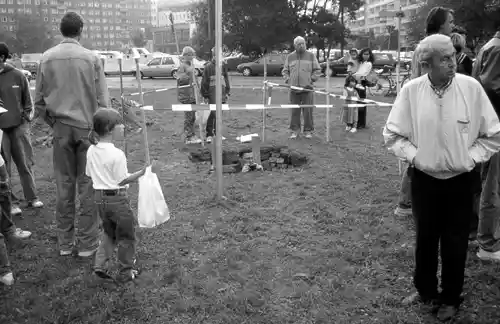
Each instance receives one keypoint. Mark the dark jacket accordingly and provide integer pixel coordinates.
(208, 82)
(464, 64)
(15, 93)
(486, 70)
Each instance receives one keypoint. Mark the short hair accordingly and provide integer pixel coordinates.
(105, 120)
(458, 41)
(4, 51)
(432, 45)
(360, 55)
(188, 50)
(436, 18)
(71, 25)
(298, 39)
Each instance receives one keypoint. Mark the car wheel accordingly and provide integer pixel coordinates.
(142, 75)
(174, 74)
(247, 72)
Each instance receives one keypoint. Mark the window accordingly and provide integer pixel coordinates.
(45, 19)
(167, 61)
(2, 1)
(155, 62)
(4, 19)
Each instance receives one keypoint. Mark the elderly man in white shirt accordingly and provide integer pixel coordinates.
(443, 124)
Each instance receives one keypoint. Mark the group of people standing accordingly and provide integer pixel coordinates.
(444, 124)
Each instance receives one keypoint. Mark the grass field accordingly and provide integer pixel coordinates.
(313, 245)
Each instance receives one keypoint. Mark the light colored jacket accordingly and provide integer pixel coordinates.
(301, 70)
(70, 85)
(443, 140)
(487, 70)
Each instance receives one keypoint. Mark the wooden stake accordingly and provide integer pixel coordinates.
(143, 113)
(218, 98)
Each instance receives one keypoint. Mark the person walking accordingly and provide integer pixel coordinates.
(365, 61)
(15, 124)
(442, 124)
(301, 69)
(70, 87)
(439, 21)
(487, 71)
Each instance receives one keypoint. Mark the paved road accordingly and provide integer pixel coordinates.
(237, 81)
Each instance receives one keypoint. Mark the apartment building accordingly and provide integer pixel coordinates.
(368, 17)
(184, 26)
(108, 22)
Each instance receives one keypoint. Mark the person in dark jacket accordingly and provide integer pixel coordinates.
(464, 63)
(15, 123)
(208, 91)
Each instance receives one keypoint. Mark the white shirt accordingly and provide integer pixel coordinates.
(364, 69)
(443, 137)
(107, 166)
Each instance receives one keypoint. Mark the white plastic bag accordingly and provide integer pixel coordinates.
(153, 209)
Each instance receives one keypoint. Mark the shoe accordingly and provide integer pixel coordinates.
(35, 204)
(15, 210)
(65, 252)
(488, 256)
(294, 136)
(127, 277)
(416, 298)
(308, 135)
(87, 254)
(20, 234)
(354, 130)
(403, 212)
(209, 139)
(348, 128)
(193, 140)
(7, 279)
(103, 274)
(446, 312)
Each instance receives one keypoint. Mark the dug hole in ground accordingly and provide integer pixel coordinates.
(314, 244)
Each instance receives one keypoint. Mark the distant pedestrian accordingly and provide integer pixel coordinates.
(70, 87)
(15, 123)
(464, 63)
(301, 69)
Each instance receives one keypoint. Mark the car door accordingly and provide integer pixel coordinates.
(152, 68)
(257, 67)
(275, 64)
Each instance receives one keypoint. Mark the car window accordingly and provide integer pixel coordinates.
(381, 57)
(155, 61)
(167, 61)
(277, 59)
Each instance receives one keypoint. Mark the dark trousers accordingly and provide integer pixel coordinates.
(362, 110)
(7, 227)
(16, 146)
(70, 159)
(118, 223)
(443, 210)
(211, 121)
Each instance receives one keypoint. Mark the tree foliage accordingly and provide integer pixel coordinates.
(263, 25)
(479, 18)
(32, 35)
(138, 38)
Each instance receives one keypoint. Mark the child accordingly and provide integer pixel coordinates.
(350, 114)
(107, 166)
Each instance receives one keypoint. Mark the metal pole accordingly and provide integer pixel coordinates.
(398, 85)
(218, 97)
(327, 71)
(264, 93)
(120, 64)
(141, 102)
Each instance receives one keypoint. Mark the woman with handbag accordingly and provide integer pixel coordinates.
(367, 78)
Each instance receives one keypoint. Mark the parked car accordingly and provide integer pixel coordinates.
(275, 63)
(161, 67)
(232, 62)
(340, 66)
(31, 67)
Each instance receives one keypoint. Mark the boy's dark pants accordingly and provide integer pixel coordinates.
(7, 227)
(362, 110)
(443, 210)
(118, 223)
(211, 121)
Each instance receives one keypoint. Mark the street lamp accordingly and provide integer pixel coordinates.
(399, 14)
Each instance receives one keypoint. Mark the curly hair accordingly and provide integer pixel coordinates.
(363, 51)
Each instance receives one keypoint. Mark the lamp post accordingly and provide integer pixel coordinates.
(399, 14)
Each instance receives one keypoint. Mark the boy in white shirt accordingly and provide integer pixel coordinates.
(107, 166)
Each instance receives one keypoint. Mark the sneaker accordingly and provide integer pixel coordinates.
(488, 256)
(354, 130)
(193, 140)
(35, 204)
(15, 210)
(65, 252)
(209, 139)
(403, 212)
(127, 277)
(308, 135)
(348, 128)
(103, 274)
(7, 279)
(20, 234)
(446, 312)
(294, 136)
(87, 254)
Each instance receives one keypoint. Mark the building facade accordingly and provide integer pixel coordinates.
(108, 22)
(184, 26)
(368, 17)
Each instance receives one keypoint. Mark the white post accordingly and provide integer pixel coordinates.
(218, 98)
(327, 71)
(264, 92)
(398, 67)
(143, 113)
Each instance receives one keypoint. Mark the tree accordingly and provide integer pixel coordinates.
(138, 38)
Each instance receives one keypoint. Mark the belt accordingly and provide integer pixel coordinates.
(112, 192)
